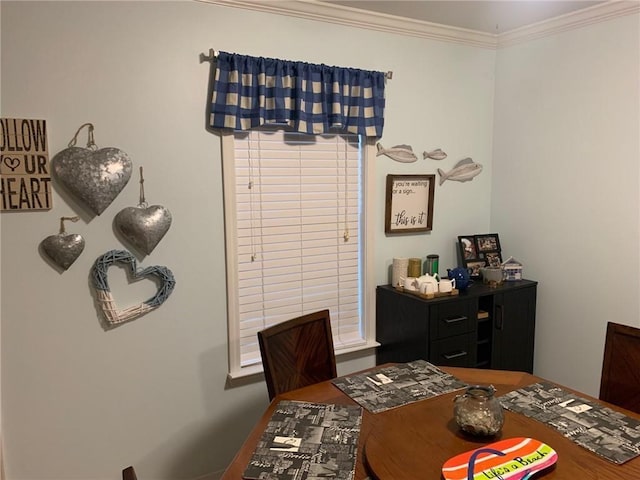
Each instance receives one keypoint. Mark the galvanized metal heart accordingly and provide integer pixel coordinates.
(105, 298)
(63, 249)
(143, 227)
(96, 177)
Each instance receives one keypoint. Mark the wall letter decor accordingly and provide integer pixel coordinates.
(25, 178)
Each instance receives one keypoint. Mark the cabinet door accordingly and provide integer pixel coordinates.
(514, 330)
(401, 327)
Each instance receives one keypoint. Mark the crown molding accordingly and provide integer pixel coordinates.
(354, 17)
(357, 18)
(577, 19)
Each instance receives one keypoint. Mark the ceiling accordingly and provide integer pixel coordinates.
(479, 15)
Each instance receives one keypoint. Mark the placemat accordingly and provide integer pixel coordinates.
(610, 434)
(307, 440)
(390, 387)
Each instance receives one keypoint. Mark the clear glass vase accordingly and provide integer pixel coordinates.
(478, 412)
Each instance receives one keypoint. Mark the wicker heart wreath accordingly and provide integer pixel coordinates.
(103, 294)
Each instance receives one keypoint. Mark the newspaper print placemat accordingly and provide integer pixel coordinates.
(391, 387)
(591, 425)
(307, 441)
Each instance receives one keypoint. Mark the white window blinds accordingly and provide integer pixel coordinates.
(298, 234)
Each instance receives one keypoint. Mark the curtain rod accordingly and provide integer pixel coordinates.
(213, 54)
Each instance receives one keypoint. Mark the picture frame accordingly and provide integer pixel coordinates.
(467, 247)
(409, 203)
(488, 242)
(479, 250)
(492, 259)
(474, 268)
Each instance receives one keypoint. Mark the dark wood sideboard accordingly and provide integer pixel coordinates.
(481, 327)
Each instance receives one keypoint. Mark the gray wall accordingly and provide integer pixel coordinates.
(81, 403)
(565, 186)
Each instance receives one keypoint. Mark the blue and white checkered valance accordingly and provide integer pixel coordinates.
(252, 91)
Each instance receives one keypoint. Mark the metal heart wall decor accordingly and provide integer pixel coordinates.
(96, 177)
(64, 248)
(99, 276)
(143, 227)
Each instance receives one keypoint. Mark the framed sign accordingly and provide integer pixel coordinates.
(25, 178)
(409, 203)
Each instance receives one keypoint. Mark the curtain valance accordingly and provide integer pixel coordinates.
(250, 92)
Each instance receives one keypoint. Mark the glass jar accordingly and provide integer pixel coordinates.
(431, 265)
(478, 412)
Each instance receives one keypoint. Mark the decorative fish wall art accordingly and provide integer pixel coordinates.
(436, 154)
(463, 171)
(404, 153)
(399, 153)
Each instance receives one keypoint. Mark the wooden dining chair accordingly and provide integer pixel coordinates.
(620, 381)
(297, 353)
(129, 474)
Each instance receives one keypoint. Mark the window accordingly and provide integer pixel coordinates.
(295, 220)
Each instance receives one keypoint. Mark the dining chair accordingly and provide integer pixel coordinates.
(129, 474)
(620, 381)
(297, 353)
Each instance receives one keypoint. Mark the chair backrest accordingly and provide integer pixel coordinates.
(297, 353)
(620, 381)
(129, 474)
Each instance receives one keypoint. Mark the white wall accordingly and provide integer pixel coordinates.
(565, 190)
(82, 403)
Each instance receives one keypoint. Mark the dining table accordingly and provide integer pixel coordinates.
(413, 441)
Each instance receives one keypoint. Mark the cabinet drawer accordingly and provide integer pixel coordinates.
(454, 351)
(451, 318)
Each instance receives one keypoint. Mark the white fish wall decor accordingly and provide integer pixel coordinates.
(436, 154)
(399, 153)
(463, 171)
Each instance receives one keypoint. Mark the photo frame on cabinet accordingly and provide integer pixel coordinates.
(467, 246)
(487, 243)
(479, 250)
(409, 203)
(493, 259)
(474, 268)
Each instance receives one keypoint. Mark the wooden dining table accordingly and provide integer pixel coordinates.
(414, 441)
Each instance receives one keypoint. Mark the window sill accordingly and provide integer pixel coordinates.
(248, 373)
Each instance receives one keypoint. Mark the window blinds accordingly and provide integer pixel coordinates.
(298, 233)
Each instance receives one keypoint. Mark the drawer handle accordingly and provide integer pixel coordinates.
(499, 317)
(450, 356)
(450, 320)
